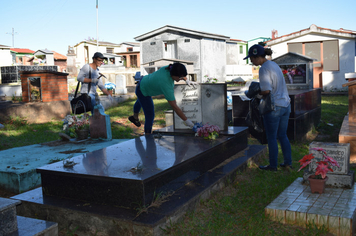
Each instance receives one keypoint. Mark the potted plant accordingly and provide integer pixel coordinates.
(317, 180)
(206, 131)
(77, 126)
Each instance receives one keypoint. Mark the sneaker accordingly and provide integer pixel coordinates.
(134, 121)
(268, 168)
(285, 165)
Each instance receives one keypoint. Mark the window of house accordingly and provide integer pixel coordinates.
(153, 43)
(241, 49)
(109, 50)
(133, 59)
(331, 55)
(326, 53)
(186, 40)
(130, 49)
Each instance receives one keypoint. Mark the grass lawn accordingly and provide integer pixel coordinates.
(238, 209)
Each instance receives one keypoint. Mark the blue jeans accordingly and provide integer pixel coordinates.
(276, 124)
(146, 103)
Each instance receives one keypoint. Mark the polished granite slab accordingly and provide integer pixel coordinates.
(132, 173)
(85, 218)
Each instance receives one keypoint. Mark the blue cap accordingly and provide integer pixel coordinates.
(255, 50)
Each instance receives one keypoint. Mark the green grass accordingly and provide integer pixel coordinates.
(17, 132)
(237, 209)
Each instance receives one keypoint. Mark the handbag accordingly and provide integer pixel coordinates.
(81, 104)
(266, 104)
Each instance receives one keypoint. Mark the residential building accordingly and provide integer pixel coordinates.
(236, 68)
(124, 54)
(85, 50)
(207, 51)
(60, 61)
(130, 54)
(21, 56)
(334, 51)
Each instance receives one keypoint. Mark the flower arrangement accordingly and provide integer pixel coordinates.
(210, 79)
(71, 123)
(293, 70)
(206, 131)
(110, 86)
(323, 166)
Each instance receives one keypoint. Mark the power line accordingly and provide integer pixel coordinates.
(13, 37)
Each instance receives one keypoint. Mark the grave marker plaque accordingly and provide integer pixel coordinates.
(338, 151)
(207, 103)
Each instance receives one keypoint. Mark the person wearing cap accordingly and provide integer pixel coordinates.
(158, 83)
(275, 122)
(95, 79)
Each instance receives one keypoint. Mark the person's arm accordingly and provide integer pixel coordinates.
(177, 110)
(265, 92)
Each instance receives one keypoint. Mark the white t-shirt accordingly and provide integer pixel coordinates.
(271, 78)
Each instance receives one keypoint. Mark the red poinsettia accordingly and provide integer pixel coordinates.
(323, 166)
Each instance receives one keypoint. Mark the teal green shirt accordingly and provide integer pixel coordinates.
(158, 83)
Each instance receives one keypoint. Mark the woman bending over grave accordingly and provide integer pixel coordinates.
(276, 121)
(158, 83)
(94, 77)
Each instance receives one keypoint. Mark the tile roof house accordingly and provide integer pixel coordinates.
(21, 56)
(334, 51)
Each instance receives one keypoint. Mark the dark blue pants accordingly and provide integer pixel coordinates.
(146, 103)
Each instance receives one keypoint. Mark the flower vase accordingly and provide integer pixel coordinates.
(317, 185)
(110, 92)
(82, 133)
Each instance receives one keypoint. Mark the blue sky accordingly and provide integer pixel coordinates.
(56, 24)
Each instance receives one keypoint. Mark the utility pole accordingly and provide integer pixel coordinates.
(13, 37)
(97, 31)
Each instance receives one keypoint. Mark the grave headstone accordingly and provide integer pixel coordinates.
(207, 103)
(341, 176)
(120, 81)
(99, 124)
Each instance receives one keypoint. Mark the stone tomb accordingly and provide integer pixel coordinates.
(207, 103)
(130, 173)
(103, 191)
(341, 176)
(100, 127)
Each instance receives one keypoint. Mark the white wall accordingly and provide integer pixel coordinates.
(5, 57)
(213, 59)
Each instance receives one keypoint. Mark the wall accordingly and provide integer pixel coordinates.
(208, 55)
(213, 59)
(5, 57)
(53, 86)
(332, 80)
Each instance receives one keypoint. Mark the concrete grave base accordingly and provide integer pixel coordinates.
(335, 180)
(89, 218)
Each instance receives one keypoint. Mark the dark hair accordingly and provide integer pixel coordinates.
(177, 69)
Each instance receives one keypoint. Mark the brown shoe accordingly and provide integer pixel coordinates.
(134, 121)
